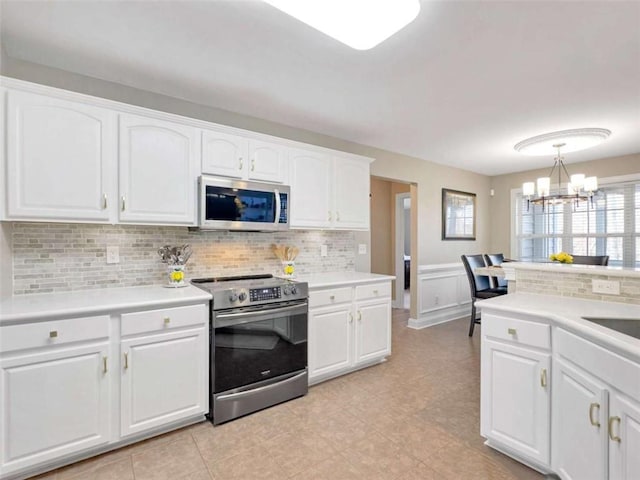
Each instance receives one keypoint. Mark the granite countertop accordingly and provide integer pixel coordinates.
(48, 306)
(336, 279)
(567, 312)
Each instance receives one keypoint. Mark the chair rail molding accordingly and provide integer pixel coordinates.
(443, 294)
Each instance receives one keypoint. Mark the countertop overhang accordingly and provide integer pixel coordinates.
(336, 279)
(567, 312)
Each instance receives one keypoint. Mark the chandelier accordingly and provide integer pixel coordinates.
(578, 187)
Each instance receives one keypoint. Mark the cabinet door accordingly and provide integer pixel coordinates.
(330, 339)
(624, 451)
(351, 191)
(224, 154)
(157, 171)
(59, 157)
(310, 179)
(373, 331)
(267, 161)
(53, 404)
(515, 398)
(164, 379)
(579, 412)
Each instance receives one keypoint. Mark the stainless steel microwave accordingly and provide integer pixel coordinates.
(228, 204)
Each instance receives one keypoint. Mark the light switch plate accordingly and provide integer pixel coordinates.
(113, 254)
(323, 251)
(608, 287)
(362, 248)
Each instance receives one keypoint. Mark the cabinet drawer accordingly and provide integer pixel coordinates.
(518, 331)
(373, 290)
(333, 296)
(163, 319)
(54, 332)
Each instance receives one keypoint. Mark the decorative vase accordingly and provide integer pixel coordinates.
(176, 275)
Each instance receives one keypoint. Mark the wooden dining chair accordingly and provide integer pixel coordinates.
(479, 285)
(591, 259)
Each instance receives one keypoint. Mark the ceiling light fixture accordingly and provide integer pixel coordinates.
(360, 24)
(579, 187)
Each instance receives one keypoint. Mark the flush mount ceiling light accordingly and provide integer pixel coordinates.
(578, 186)
(572, 140)
(360, 24)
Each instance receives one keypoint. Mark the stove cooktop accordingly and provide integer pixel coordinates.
(241, 291)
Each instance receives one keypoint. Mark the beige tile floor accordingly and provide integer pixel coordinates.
(414, 417)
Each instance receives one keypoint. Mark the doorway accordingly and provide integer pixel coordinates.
(402, 254)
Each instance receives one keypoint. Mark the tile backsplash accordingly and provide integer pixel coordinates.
(56, 257)
(577, 285)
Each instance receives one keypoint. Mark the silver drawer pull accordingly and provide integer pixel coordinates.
(612, 436)
(104, 201)
(104, 365)
(596, 422)
(543, 378)
(126, 360)
(53, 334)
(332, 297)
(167, 320)
(512, 331)
(375, 292)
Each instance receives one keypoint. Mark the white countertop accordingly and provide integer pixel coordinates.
(575, 269)
(28, 308)
(567, 312)
(336, 279)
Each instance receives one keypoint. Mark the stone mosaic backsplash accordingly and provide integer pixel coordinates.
(576, 285)
(57, 257)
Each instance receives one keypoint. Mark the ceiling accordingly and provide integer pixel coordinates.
(459, 86)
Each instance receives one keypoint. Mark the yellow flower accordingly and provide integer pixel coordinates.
(288, 270)
(562, 257)
(177, 276)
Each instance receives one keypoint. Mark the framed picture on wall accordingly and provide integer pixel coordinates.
(458, 215)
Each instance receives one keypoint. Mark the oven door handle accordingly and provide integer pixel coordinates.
(247, 393)
(229, 319)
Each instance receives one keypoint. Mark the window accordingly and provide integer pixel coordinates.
(609, 225)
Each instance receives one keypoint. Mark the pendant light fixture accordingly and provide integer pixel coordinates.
(360, 24)
(579, 187)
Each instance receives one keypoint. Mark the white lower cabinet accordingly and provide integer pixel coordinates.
(163, 379)
(55, 384)
(57, 379)
(349, 327)
(516, 399)
(624, 435)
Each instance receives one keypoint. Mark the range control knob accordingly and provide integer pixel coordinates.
(242, 297)
(286, 290)
(233, 296)
(294, 289)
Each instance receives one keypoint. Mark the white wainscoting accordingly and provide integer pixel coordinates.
(443, 294)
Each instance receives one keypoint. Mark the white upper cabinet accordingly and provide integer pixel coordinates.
(328, 192)
(267, 162)
(60, 155)
(351, 194)
(244, 158)
(157, 171)
(310, 177)
(224, 154)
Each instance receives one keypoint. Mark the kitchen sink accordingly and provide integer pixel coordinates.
(628, 326)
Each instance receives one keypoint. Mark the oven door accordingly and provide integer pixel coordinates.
(255, 344)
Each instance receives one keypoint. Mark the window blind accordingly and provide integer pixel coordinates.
(608, 225)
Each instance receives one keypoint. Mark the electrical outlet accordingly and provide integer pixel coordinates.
(362, 248)
(323, 251)
(609, 287)
(113, 254)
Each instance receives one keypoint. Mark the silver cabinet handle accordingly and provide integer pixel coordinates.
(332, 297)
(104, 201)
(53, 334)
(543, 378)
(511, 331)
(124, 203)
(592, 407)
(337, 216)
(104, 364)
(126, 360)
(240, 164)
(350, 317)
(359, 316)
(375, 292)
(614, 438)
(167, 320)
(253, 164)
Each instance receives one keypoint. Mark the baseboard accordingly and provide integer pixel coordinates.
(429, 319)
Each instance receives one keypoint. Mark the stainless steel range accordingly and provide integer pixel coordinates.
(258, 343)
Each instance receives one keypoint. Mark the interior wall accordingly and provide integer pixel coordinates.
(381, 227)
(500, 203)
(429, 177)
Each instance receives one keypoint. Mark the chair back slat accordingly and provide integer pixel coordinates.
(591, 260)
(476, 282)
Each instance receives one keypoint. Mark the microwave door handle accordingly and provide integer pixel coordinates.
(277, 194)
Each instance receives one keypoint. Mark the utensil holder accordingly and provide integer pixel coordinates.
(288, 268)
(176, 275)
